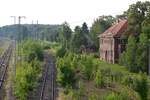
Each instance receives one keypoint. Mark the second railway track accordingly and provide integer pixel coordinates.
(48, 89)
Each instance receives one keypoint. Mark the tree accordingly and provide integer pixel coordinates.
(142, 53)
(66, 34)
(85, 29)
(85, 39)
(76, 40)
(136, 15)
(33, 50)
(131, 53)
(81, 37)
(99, 26)
(146, 26)
(66, 31)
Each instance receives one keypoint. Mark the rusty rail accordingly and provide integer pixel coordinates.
(4, 62)
(49, 67)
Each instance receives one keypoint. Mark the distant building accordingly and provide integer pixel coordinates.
(111, 43)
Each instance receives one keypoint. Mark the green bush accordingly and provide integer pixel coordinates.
(99, 79)
(139, 83)
(141, 86)
(27, 77)
(61, 52)
(33, 50)
(87, 66)
(112, 96)
(115, 96)
(29, 71)
(47, 46)
(66, 75)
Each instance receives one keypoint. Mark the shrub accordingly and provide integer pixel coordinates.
(99, 79)
(93, 97)
(139, 83)
(112, 96)
(141, 86)
(33, 50)
(26, 79)
(61, 52)
(87, 66)
(66, 75)
(47, 46)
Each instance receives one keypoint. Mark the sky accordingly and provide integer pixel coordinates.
(75, 12)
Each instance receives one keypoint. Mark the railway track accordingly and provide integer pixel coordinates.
(4, 62)
(48, 91)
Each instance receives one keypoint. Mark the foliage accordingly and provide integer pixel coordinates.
(130, 54)
(66, 75)
(136, 55)
(99, 79)
(142, 53)
(124, 93)
(146, 26)
(47, 45)
(61, 52)
(93, 97)
(141, 86)
(65, 35)
(33, 50)
(87, 66)
(139, 83)
(137, 13)
(76, 39)
(81, 38)
(66, 31)
(29, 70)
(113, 96)
(27, 77)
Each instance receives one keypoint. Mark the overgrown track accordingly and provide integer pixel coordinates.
(48, 90)
(4, 62)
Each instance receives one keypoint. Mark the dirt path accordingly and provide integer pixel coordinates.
(47, 87)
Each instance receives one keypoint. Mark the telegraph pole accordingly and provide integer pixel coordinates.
(20, 36)
(148, 59)
(37, 30)
(33, 34)
(14, 17)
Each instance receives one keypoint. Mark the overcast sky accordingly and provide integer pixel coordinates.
(75, 12)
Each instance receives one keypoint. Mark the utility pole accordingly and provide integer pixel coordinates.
(33, 34)
(14, 53)
(14, 17)
(37, 30)
(20, 37)
(148, 59)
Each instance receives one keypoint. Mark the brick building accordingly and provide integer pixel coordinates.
(111, 43)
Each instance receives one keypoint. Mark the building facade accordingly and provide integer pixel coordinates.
(111, 43)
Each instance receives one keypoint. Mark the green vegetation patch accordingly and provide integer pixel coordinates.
(83, 76)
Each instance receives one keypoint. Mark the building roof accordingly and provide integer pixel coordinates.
(116, 30)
